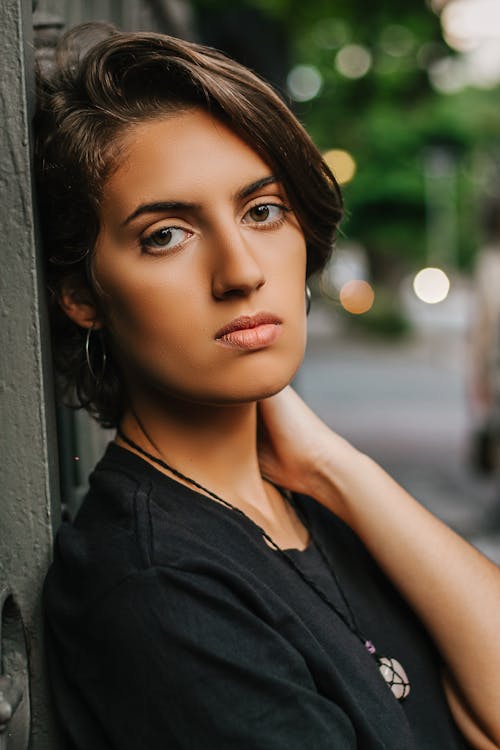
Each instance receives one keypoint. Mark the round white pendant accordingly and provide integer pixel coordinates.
(395, 676)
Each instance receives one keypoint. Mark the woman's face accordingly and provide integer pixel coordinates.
(201, 265)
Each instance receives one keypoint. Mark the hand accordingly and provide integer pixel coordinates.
(295, 446)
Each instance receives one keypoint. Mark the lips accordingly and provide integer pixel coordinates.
(248, 321)
(250, 331)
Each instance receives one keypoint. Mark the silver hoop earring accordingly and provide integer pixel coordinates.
(308, 299)
(97, 377)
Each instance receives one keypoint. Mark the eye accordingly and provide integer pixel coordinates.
(165, 238)
(268, 214)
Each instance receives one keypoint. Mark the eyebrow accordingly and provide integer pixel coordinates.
(257, 185)
(159, 206)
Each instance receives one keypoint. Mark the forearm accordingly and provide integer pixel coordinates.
(452, 587)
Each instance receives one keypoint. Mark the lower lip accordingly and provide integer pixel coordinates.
(252, 338)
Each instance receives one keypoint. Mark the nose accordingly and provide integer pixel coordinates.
(237, 271)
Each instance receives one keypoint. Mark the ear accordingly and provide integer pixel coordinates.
(79, 305)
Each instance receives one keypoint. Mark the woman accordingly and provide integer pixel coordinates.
(238, 575)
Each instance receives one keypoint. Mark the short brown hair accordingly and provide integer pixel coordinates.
(86, 102)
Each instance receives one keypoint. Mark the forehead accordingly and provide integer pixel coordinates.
(182, 157)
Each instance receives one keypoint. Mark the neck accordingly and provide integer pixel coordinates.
(216, 446)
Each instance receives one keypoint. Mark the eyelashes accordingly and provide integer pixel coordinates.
(265, 215)
(165, 238)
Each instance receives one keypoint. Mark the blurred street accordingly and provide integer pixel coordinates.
(404, 403)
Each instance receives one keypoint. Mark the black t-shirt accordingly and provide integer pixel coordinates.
(173, 625)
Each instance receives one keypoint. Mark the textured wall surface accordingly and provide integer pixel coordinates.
(29, 487)
(28, 490)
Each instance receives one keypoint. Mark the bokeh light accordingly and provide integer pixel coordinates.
(448, 75)
(437, 5)
(468, 23)
(357, 296)
(304, 82)
(353, 61)
(397, 40)
(331, 33)
(472, 27)
(341, 163)
(431, 285)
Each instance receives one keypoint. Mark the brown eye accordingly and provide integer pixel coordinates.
(165, 238)
(268, 214)
(161, 238)
(260, 213)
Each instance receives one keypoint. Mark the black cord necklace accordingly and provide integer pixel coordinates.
(390, 669)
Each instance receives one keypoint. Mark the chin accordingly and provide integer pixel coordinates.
(244, 381)
(252, 389)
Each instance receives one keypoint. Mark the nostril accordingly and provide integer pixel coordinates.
(228, 284)
(236, 292)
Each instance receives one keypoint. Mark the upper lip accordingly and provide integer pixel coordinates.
(248, 321)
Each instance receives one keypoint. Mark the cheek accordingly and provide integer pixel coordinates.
(152, 313)
(287, 272)
(156, 332)
(136, 292)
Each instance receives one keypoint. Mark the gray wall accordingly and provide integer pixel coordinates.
(30, 488)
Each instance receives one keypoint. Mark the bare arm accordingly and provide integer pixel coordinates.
(453, 588)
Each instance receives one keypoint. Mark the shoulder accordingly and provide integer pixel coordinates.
(135, 519)
(109, 540)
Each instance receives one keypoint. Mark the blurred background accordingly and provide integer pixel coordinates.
(404, 101)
